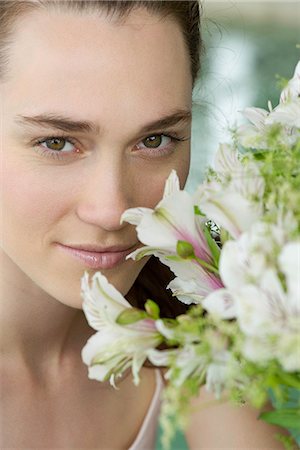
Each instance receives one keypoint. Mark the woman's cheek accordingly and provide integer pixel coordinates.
(31, 199)
(149, 179)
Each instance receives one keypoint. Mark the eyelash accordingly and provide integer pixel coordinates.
(60, 155)
(56, 154)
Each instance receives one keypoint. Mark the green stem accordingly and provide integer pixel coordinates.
(207, 265)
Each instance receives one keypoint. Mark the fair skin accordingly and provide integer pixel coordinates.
(120, 78)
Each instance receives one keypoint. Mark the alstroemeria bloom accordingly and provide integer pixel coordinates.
(292, 89)
(115, 347)
(242, 262)
(286, 113)
(253, 134)
(183, 362)
(288, 110)
(267, 310)
(173, 220)
(233, 197)
(269, 316)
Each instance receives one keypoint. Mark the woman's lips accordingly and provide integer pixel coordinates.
(98, 260)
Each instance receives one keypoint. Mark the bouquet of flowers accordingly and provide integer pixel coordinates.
(234, 247)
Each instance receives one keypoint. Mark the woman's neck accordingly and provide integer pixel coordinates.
(37, 331)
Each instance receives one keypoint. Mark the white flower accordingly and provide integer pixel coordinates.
(287, 114)
(220, 303)
(266, 309)
(115, 347)
(257, 116)
(243, 261)
(268, 314)
(292, 90)
(188, 292)
(217, 374)
(233, 200)
(161, 228)
(183, 362)
(172, 219)
(253, 135)
(289, 263)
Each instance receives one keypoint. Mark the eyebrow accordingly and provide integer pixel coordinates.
(51, 120)
(183, 116)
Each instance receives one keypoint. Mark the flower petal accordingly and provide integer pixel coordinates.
(172, 184)
(220, 303)
(102, 303)
(289, 262)
(135, 215)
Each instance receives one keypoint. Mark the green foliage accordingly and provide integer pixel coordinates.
(288, 418)
(214, 248)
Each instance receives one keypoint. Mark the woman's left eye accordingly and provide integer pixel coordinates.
(160, 144)
(156, 141)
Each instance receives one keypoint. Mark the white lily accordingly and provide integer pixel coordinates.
(115, 347)
(233, 198)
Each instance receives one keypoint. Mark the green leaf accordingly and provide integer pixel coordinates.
(213, 246)
(287, 418)
(130, 315)
(152, 309)
(185, 250)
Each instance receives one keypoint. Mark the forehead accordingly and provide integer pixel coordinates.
(68, 62)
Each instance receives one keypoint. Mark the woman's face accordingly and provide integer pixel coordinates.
(81, 142)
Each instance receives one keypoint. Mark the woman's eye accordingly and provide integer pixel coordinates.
(57, 144)
(155, 141)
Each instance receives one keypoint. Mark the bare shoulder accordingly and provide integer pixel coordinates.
(226, 426)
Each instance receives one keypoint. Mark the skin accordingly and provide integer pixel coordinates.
(120, 77)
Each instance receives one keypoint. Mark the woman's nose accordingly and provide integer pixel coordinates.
(105, 195)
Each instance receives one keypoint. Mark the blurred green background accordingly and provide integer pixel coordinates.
(247, 46)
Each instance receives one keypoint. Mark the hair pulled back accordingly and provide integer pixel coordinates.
(185, 13)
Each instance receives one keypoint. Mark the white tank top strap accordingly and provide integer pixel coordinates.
(146, 437)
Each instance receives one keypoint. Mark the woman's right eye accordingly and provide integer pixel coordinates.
(57, 147)
(57, 144)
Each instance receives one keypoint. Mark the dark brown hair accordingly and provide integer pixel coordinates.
(151, 284)
(185, 13)
(153, 279)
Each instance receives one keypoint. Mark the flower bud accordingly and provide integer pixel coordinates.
(185, 250)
